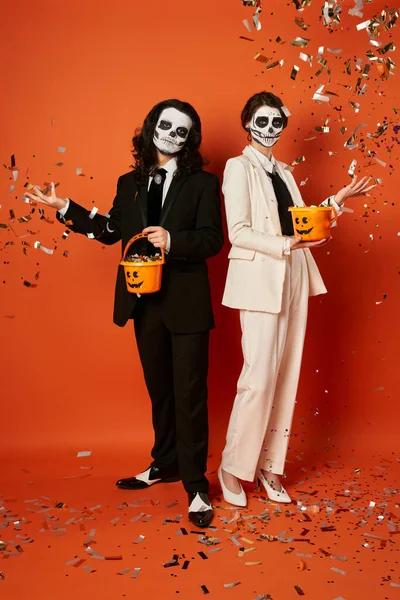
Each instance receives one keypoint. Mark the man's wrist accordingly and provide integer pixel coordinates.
(64, 208)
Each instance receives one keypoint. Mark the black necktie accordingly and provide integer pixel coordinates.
(284, 200)
(154, 197)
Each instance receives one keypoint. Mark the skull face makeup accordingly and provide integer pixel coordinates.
(266, 125)
(171, 131)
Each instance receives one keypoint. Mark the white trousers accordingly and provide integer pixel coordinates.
(260, 423)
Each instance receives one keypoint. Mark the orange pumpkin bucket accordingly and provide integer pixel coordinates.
(313, 223)
(142, 273)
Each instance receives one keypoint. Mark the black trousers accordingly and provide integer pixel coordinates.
(175, 368)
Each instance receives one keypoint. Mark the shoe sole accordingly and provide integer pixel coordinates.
(145, 486)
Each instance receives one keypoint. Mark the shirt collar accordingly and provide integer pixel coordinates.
(171, 166)
(268, 164)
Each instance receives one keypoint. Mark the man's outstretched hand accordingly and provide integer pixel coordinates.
(51, 200)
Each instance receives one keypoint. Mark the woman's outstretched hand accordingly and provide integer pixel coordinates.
(355, 188)
(51, 200)
(296, 243)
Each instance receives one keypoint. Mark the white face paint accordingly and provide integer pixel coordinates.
(171, 131)
(266, 125)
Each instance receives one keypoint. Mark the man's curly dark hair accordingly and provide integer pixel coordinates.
(144, 152)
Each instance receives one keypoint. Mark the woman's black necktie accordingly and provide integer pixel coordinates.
(284, 200)
(154, 197)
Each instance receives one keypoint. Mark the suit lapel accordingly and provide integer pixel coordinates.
(174, 189)
(265, 187)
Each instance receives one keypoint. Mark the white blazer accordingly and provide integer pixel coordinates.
(256, 261)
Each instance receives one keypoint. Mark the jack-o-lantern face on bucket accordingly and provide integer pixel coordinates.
(303, 225)
(131, 280)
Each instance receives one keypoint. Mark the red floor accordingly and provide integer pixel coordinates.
(338, 540)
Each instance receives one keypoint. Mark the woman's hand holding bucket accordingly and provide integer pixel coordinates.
(297, 243)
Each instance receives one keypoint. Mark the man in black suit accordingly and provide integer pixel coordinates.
(169, 197)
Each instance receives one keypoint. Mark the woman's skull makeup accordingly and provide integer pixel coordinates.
(171, 131)
(266, 125)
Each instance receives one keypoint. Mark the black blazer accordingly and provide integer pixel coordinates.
(192, 215)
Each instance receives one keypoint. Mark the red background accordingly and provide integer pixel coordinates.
(70, 379)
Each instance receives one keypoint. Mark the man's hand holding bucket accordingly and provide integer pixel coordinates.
(158, 236)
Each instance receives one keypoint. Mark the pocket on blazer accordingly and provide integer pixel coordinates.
(241, 253)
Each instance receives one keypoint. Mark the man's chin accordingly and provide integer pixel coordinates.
(167, 152)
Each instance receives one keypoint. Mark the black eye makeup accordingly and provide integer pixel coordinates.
(165, 125)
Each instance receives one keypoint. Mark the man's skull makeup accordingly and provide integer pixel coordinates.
(266, 125)
(171, 131)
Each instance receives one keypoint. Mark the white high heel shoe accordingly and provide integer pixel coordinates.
(272, 494)
(235, 499)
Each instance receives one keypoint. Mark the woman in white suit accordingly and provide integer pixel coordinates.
(270, 277)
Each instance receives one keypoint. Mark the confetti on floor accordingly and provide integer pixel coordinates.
(345, 512)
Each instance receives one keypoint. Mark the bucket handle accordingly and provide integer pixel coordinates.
(335, 215)
(134, 239)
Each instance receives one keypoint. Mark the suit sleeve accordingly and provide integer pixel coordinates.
(238, 213)
(103, 228)
(207, 239)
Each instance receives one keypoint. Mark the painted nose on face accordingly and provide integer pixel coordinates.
(271, 130)
(172, 134)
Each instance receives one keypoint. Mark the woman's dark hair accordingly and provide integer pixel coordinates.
(258, 100)
(145, 153)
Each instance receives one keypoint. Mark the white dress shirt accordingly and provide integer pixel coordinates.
(170, 167)
(269, 165)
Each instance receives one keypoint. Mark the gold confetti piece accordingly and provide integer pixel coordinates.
(301, 4)
(301, 23)
(261, 58)
(252, 564)
(247, 541)
(319, 97)
(246, 23)
(299, 590)
(299, 41)
(29, 284)
(294, 72)
(306, 57)
(301, 565)
(352, 168)
(279, 40)
(297, 161)
(38, 246)
(256, 20)
(388, 48)
(231, 585)
(242, 37)
(322, 128)
(363, 25)
(355, 105)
